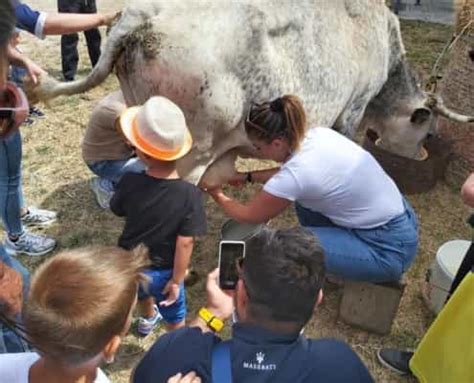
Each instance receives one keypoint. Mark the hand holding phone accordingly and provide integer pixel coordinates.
(229, 254)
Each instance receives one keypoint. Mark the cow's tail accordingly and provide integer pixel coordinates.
(50, 88)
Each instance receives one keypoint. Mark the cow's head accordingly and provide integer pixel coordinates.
(403, 115)
(404, 131)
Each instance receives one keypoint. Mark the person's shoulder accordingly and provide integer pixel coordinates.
(19, 357)
(101, 377)
(319, 133)
(187, 188)
(13, 364)
(113, 102)
(333, 350)
(336, 359)
(131, 178)
(186, 338)
(185, 335)
(132, 183)
(189, 343)
(331, 345)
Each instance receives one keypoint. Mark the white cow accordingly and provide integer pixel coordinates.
(344, 58)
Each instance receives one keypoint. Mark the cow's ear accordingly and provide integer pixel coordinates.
(420, 116)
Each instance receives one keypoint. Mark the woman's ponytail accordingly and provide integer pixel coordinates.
(282, 117)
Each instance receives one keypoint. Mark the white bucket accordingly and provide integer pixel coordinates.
(443, 270)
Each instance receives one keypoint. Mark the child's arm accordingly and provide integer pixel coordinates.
(182, 257)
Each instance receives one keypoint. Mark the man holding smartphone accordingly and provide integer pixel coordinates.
(279, 286)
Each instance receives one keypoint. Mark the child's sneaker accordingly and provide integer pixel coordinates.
(102, 193)
(147, 325)
(38, 217)
(36, 113)
(30, 244)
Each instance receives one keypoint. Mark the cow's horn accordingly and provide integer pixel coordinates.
(437, 104)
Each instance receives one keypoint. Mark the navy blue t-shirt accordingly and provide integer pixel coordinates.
(258, 355)
(156, 211)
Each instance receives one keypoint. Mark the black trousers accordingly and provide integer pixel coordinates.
(69, 55)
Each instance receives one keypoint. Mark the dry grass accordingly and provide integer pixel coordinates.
(55, 177)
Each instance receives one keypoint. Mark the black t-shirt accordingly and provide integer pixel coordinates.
(257, 356)
(156, 211)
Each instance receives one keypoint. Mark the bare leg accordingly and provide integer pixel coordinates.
(146, 307)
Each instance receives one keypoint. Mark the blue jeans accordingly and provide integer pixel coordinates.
(158, 279)
(380, 254)
(11, 196)
(9, 340)
(113, 170)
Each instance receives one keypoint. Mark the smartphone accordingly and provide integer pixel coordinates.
(229, 254)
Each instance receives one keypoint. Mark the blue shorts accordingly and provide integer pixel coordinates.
(158, 280)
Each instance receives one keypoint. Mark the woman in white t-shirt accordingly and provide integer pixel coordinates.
(366, 227)
(78, 310)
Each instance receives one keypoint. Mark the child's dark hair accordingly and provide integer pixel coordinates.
(283, 272)
(282, 117)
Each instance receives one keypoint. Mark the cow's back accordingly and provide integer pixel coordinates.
(215, 57)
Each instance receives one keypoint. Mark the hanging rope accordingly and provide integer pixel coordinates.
(432, 84)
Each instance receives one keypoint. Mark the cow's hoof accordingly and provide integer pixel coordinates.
(412, 175)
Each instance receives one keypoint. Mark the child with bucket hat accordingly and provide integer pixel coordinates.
(161, 210)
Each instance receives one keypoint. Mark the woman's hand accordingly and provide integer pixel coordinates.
(215, 192)
(238, 180)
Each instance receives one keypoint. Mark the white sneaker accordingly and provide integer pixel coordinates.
(102, 194)
(30, 244)
(147, 325)
(38, 217)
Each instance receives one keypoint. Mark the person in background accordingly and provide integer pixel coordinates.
(161, 211)
(17, 73)
(79, 309)
(42, 24)
(399, 361)
(13, 276)
(16, 215)
(69, 55)
(278, 290)
(14, 286)
(104, 149)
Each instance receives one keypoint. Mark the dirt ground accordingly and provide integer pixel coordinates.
(56, 178)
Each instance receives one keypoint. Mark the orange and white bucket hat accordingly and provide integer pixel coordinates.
(157, 128)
